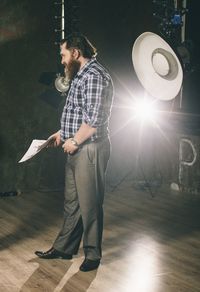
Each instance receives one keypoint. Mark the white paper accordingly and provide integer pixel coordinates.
(35, 147)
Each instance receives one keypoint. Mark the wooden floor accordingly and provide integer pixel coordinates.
(150, 244)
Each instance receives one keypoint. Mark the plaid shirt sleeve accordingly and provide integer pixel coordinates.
(95, 93)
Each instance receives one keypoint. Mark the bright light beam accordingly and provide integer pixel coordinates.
(145, 110)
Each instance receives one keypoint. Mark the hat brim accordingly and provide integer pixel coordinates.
(158, 86)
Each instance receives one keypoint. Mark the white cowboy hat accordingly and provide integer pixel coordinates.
(157, 66)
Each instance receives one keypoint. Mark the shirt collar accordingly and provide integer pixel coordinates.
(85, 67)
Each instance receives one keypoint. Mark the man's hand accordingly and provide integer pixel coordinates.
(69, 147)
(54, 140)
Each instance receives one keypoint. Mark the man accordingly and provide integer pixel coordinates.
(84, 134)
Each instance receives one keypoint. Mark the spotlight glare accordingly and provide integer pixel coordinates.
(145, 110)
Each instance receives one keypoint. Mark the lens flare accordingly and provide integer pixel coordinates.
(145, 110)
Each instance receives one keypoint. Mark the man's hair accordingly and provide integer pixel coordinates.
(80, 42)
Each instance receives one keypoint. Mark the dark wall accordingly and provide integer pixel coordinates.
(27, 49)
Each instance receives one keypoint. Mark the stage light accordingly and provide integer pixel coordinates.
(145, 110)
(177, 19)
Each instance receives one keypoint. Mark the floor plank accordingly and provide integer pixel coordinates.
(151, 244)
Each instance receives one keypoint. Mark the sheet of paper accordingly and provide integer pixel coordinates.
(35, 147)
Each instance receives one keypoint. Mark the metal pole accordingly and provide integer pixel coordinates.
(184, 20)
(63, 20)
(184, 5)
(181, 162)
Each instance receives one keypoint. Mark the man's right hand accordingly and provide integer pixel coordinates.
(54, 140)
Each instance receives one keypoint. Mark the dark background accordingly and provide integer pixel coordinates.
(30, 109)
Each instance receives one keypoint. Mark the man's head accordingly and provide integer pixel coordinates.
(75, 51)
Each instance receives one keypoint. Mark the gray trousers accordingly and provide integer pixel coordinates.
(83, 201)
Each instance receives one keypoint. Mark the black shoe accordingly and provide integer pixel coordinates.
(52, 253)
(89, 265)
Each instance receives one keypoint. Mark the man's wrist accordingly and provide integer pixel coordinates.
(74, 142)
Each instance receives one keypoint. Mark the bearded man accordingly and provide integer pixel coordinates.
(85, 140)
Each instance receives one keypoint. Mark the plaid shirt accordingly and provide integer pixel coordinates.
(89, 101)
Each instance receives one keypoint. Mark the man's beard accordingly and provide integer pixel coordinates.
(72, 69)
